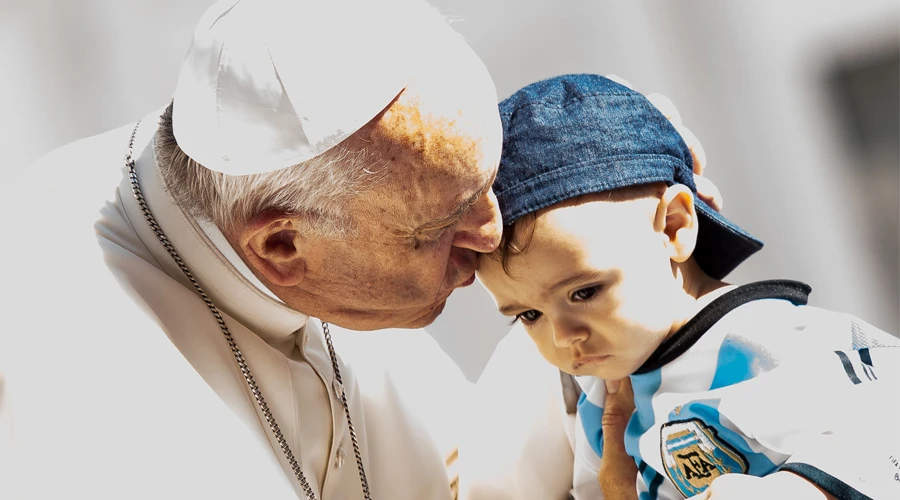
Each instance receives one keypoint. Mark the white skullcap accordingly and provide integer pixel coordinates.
(268, 84)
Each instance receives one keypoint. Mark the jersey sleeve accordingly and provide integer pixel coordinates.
(831, 406)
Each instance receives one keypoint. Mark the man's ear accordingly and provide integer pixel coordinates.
(271, 243)
(676, 219)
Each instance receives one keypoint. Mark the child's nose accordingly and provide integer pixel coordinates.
(567, 332)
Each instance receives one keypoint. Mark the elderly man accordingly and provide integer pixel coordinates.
(318, 159)
(306, 163)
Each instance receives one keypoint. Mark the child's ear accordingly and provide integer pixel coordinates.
(676, 219)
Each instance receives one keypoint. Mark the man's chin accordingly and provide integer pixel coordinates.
(383, 321)
(425, 319)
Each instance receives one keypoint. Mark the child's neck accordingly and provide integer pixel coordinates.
(694, 281)
(699, 288)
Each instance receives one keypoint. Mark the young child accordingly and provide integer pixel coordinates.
(614, 267)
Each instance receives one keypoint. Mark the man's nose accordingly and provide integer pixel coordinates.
(481, 227)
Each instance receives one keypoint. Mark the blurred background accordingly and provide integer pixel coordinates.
(797, 105)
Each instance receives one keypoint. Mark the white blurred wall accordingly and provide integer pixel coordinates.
(747, 77)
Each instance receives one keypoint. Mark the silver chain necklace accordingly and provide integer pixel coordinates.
(238, 356)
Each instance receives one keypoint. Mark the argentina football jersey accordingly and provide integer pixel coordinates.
(757, 382)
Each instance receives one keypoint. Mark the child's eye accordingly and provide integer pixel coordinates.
(529, 316)
(586, 293)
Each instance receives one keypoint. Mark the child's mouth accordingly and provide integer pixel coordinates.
(589, 360)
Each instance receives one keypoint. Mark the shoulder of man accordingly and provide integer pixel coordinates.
(83, 164)
(70, 183)
(77, 162)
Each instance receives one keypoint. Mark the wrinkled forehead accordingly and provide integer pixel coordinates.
(439, 141)
(445, 123)
(428, 164)
(419, 142)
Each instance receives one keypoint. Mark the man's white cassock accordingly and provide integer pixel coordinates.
(115, 379)
(118, 382)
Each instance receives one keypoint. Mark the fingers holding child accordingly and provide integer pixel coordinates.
(618, 472)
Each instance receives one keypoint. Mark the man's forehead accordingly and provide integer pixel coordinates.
(445, 198)
(465, 200)
(426, 141)
(431, 167)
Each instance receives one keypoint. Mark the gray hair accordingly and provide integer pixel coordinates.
(316, 189)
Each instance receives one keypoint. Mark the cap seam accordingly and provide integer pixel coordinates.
(606, 160)
(547, 104)
(581, 190)
(587, 189)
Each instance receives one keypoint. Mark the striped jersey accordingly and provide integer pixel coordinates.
(755, 383)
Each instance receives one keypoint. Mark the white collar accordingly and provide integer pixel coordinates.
(215, 265)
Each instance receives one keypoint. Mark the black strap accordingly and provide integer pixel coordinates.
(827, 482)
(690, 333)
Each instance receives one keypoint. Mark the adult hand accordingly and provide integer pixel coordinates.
(618, 472)
(706, 190)
(778, 485)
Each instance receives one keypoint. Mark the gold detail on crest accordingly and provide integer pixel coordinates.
(693, 455)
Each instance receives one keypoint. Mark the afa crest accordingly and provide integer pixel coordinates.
(693, 455)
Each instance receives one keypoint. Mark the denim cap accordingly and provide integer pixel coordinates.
(577, 134)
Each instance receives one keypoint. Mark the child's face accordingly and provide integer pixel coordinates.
(595, 288)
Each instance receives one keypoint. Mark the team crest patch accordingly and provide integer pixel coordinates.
(693, 455)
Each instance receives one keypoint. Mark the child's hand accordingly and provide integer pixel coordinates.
(778, 485)
(618, 472)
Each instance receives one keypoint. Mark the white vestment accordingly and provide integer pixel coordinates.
(116, 380)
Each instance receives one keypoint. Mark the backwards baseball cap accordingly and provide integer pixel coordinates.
(576, 134)
(268, 84)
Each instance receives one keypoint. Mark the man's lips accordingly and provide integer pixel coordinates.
(465, 266)
(589, 360)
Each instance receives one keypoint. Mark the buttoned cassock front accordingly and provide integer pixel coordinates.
(119, 382)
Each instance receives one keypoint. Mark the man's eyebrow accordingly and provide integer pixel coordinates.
(456, 214)
(460, 210)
